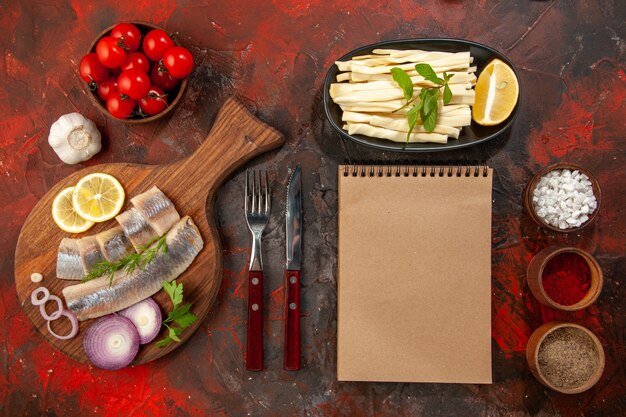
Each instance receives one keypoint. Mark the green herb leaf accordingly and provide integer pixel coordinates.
(164, 342)
(428, 73)
(427, 108)
(162, 245)
(129, 263)
(430, 102)
(173, 333)
(178, 295)
(430, 120)
(411, 116)
(180, 317)
(177, 312)
(175, 291)
(447, 94)
(170, 288)
(404, 81)
(423, 95)
(186, 320)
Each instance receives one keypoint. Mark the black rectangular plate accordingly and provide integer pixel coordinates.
(470, 135)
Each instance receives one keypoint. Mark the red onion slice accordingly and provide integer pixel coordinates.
(112, 342)
(73, 320)
(56, 314)
(34, 296)
(147, 318)
(60, 311)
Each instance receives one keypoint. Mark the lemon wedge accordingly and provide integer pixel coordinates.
(65, 216)
(497, 90)
(98, 197)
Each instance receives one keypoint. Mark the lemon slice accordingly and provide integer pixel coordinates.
(497, 90)
(98, 197)
(64, 214)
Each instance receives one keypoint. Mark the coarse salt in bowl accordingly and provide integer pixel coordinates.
(563, 197)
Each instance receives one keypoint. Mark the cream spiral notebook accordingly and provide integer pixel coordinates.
(414, 285)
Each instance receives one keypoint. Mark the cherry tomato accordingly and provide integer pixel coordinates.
(106, 87)
(91, 70)
(134, 83)
(128, 34)
(136, 60)
(155, 102)
(110, 53)
(162, 78)
(155, 43)
(119, 106)
(178, 62)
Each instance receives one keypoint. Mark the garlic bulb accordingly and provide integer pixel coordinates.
(74, 138)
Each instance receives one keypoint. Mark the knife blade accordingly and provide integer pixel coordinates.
(293, 243)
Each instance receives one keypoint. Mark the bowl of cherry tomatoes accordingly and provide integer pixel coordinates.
(136, 72)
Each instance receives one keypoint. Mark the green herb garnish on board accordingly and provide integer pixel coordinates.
(129, 263)
(427, 106)
(179, 318)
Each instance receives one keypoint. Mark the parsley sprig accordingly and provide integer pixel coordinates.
(427, 106)
(129, 263)
(179, 318)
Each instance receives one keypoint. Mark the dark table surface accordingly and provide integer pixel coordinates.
(273, 57)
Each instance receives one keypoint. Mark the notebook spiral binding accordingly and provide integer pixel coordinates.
(398, 169)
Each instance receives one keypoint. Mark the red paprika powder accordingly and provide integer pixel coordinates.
(566, 278)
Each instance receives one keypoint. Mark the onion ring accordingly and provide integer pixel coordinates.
(34, 298)
(55, 315)
(73, 320)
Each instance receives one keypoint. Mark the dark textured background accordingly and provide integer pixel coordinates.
(273, 56)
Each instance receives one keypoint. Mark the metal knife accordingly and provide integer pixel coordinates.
(292, 275)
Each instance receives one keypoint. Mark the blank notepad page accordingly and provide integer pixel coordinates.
(414, 284)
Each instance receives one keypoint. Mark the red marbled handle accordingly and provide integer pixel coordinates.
(292, 321)
(254, 348)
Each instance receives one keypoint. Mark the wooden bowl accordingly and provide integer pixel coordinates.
(528, 194)
(532, 356)
(534, 277)
(177, 93)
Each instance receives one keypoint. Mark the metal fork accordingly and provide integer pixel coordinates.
(257, 205)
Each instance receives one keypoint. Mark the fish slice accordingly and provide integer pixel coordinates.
(191, 184)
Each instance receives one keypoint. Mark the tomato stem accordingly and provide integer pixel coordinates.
(120, 43)
(92, 85)
(155, 96)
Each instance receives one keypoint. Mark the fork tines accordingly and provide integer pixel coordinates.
(258, 195)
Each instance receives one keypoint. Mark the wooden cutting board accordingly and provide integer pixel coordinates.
(236, 137)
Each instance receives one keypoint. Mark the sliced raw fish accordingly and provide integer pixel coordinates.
(98, 297)
(90, 253)
(157, 209)
(114, 244)
(69, 264)
(136, 228)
